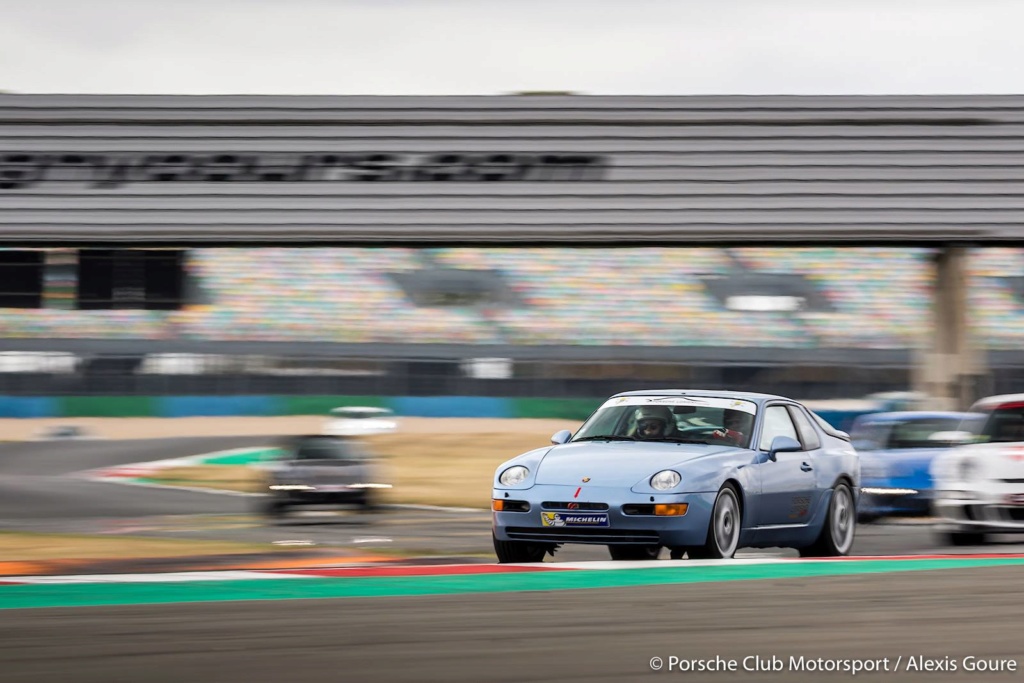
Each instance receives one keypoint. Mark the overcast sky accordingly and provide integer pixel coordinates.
(416, 47)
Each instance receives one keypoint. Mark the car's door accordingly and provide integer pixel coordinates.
(813, 450)
(788, 482)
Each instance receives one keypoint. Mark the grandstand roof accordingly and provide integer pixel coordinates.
(512, 169)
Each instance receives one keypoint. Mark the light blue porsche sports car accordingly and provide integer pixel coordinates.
(702, 473)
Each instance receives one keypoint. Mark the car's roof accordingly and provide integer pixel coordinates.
(911, 415)
(990, 401)
(746, 395)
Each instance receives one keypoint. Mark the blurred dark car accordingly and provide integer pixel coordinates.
(323, 471)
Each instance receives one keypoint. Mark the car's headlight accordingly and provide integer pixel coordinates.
(514, 476)
(665, 480)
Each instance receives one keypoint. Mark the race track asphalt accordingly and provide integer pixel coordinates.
(35, 482)
(41, 490)
(605, 635)
(579, 635)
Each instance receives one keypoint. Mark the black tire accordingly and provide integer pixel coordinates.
(369, 505)
(840, 528)
(519, 551)
(724, 528)
(634, 552)
(275, 510)
(962, 538)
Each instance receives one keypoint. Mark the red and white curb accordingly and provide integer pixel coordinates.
(369, 571)
(263, 574)
(136, 474)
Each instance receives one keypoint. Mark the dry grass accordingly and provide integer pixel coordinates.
(29, 547)
(425, 468)
(220, 477)
(450, 469)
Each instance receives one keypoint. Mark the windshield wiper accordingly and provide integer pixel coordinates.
(607, 437)
(676, 439)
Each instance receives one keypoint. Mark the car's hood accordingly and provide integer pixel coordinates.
(904, 460)
(989, 461)
(616, 463)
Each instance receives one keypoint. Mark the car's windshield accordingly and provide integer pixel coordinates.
(905, 434)
(327, 448)
(1005, 424)
(673, 419)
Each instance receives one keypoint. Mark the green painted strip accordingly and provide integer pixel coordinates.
(79, 595)
(249, 456)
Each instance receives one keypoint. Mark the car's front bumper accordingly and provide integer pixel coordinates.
(689, 529)
(887, 498)
(992, 507)
(334, 495)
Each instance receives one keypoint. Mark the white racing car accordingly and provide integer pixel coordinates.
(979, 487)
(360, 421)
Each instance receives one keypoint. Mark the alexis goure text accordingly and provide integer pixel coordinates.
(113, 170)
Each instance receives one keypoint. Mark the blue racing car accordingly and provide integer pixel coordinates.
(701, 473)
(896, 452)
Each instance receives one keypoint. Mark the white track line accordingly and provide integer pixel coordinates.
(173, 577)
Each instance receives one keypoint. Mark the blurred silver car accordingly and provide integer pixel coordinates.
(323, 471)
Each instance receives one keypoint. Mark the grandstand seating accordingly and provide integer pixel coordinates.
(878, 298)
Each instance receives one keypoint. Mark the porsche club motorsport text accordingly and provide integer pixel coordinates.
(760, 663)
(113, 170)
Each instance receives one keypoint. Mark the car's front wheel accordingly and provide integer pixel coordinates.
(368, 504)
(634, 552)
(519, 551)
(724, 529)
(836, 538)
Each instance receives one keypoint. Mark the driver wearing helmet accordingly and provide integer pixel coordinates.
(653, 422)
(736, 425)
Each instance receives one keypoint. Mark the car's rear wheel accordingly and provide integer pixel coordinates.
(275, 509)
(724, 529)
(836, 537)
(634, 552)
(961, 538)
(519, 551)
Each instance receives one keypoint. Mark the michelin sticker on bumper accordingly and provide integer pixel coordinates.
(563, 519)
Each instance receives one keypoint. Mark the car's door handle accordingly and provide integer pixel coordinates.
(805, 467)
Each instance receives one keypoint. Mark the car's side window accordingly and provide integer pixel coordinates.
(776, 423)
(808, 435)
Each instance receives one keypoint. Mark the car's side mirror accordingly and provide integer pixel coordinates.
(783, 444)
(561, 437)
